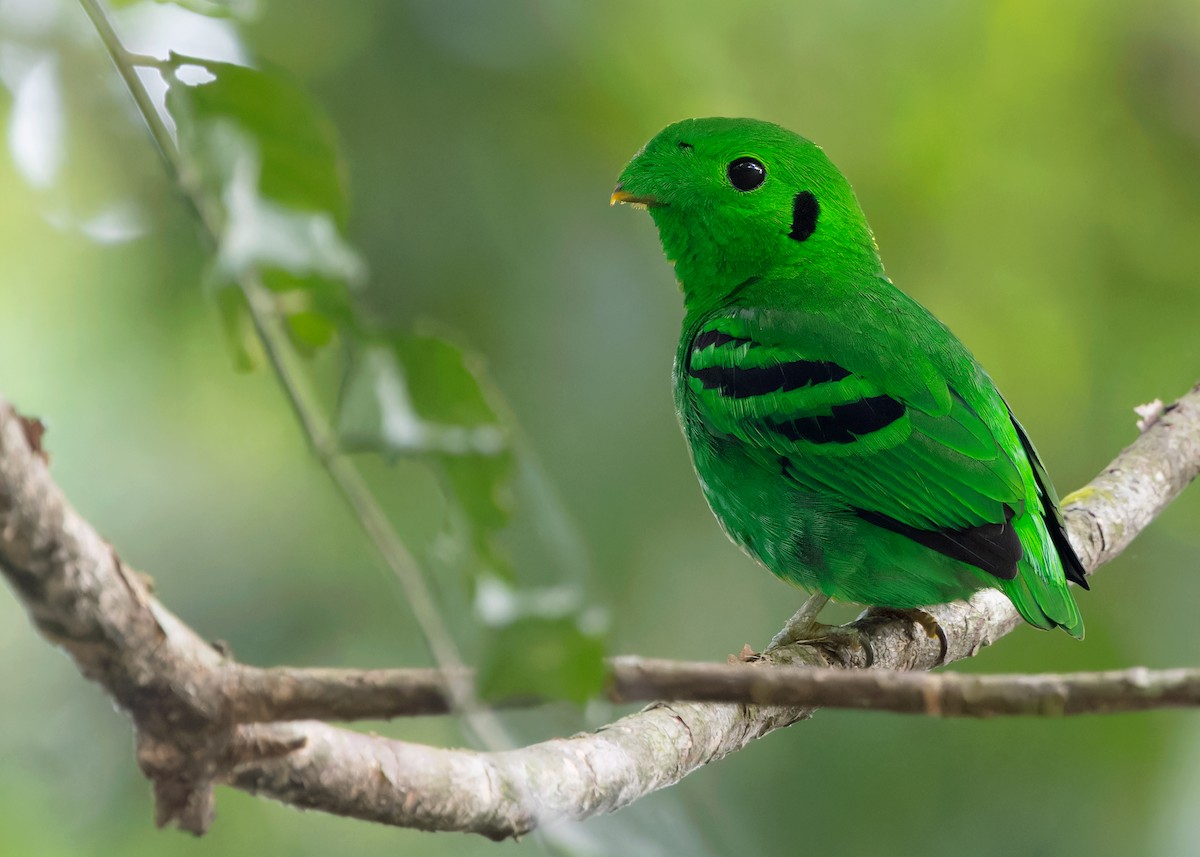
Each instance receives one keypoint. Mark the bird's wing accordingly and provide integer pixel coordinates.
(887, 437)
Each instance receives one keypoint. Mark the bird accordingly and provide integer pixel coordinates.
(842, 435)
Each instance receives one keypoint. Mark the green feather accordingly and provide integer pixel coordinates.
(842, 435)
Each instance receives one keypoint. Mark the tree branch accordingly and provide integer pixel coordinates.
(196, 713)
(935, 694)
(286, 693)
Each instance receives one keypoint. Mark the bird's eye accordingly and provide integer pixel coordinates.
(747, 173)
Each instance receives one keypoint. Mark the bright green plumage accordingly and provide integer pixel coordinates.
(842, 435)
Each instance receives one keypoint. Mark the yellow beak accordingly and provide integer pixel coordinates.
(620, 195)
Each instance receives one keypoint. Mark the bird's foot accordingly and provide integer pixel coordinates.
(803, 627)
(932, 628)
(843, 645)
(803, 622)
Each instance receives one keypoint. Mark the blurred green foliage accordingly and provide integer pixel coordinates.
(1032, 172)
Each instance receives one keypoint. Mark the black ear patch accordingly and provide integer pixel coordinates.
(805, 212)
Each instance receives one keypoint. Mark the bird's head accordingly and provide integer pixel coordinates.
(735, 199)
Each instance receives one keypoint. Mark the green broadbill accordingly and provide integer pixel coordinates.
(842, 435)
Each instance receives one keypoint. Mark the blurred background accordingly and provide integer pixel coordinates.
(1032, 173)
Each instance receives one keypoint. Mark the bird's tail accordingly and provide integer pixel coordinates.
(1039, 591)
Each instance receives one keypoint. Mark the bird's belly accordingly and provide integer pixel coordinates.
(785, 529)
(816, 542)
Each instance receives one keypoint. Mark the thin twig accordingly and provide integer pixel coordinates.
(265, 696)
(349, 482)
(937, 694)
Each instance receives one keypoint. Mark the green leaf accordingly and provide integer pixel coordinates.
(414, 395)
(481, 487)
(265, 164)
(300, 165)
(543, 657)
(420, 395)
(446, 382)
(309, 331)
